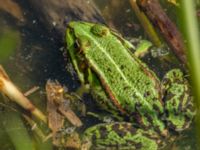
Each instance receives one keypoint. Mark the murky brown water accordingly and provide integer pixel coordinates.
(33, 58)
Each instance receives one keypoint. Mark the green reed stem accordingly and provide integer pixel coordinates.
(191, 31)
(146, 24)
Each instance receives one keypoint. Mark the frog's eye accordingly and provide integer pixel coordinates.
(100, 30)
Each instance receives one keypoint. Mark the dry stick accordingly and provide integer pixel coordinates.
(158, 17)
(11, 91)
(31, 91)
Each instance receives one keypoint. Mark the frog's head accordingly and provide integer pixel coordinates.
(82, 28)
(79, 36)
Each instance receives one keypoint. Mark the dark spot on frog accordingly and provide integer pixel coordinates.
(168, 96)
(165, 81)
(180, 106)
(103, 132)
(171, 125)
(137, 118)
(155, 107)
(157, 129)
(155, 137)
(149, 117)
(127, 125)
(190, 107)
(138, 145)
(175, 74)
(137, 106)
(122, 67)
(147, 93)
(125, 88)
(176, 113)
(147, 83)
(115, 126)
(178, 81)
(134, 98)
(109, 70)
(130, 142)
(166, 113)
(120, 131)
(132, 130)
(121, 78)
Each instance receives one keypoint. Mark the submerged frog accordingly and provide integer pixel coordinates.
(125, 86)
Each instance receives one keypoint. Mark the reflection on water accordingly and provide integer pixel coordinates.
(32, 57)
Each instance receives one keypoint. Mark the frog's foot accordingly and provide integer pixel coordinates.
(119, 135)
(177, 100)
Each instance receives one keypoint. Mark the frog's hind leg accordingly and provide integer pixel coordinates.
(119, 135)
(177, 99)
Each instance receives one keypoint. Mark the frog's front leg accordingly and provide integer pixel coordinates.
(119, 135)
(178, 101)
(141, 49)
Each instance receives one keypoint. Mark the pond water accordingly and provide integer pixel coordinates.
(31, 57)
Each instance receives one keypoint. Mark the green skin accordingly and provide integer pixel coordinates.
(124, 86)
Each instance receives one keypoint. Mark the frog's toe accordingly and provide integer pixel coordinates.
(119, 135)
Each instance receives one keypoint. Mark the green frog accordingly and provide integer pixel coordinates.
(124, 86)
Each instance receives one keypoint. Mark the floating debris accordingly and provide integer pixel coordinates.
(61, 118)
(55, 96)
